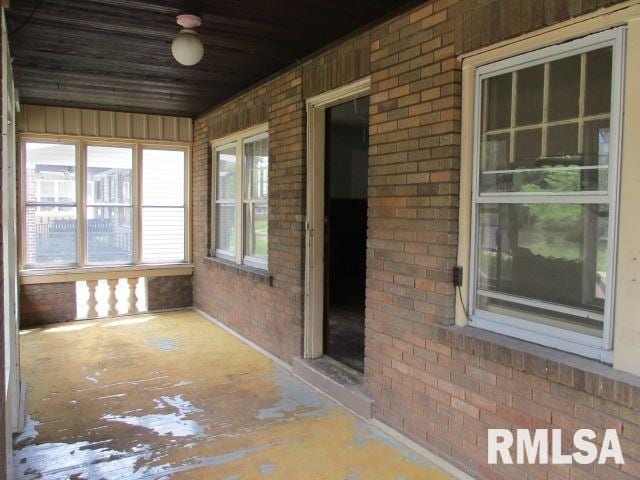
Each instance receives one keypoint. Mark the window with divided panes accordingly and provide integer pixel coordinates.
(545, 193)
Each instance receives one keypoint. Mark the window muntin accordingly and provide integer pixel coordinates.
(241, 192)
(544, 202)
(163, 205)
(109, 214)
(97, 218)
(545, 128)
(50, 219)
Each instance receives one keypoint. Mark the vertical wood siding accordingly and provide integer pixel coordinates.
(102, 123)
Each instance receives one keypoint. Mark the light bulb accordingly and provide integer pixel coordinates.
(187, 48)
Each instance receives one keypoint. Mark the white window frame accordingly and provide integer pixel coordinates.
(86, 204)
(247, 201)
(225, 201)
(81, 204)
(556, 337)
(77, 204)
(136, 198)
(238, 139)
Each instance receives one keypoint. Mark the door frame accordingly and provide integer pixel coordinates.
(10, 235)
(314, 226)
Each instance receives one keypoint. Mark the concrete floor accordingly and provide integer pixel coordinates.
(174, 396)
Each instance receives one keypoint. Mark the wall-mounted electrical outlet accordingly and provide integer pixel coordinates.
(457, 276)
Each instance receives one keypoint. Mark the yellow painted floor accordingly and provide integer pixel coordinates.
(174, 396)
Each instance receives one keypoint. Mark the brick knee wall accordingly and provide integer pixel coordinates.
(47, 303)
(164, 293)
(438, 386)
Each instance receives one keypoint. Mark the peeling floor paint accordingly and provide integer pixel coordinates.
(176, 397)
(173, 424)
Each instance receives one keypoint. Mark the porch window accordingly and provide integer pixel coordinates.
(256, 194)
(163, 205)
(241, 193)
(109, 207)
(50, 214)
(545, 194)
(102, 204)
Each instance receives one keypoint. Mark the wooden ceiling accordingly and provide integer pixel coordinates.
(116, 54)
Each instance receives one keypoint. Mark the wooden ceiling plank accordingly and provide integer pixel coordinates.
(115, 54)
(82, 24)
(36, 74)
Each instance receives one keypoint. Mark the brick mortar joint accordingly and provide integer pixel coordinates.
(543, 362)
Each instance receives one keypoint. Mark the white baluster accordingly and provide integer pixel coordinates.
(113, 283)
(133, 298)
(92, 302)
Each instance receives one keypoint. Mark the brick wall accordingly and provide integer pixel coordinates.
(439, 384)
(271, 315)
(164, 293)
(47, 303)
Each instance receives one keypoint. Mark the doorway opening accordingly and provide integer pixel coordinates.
(335, 253)
(346, 164)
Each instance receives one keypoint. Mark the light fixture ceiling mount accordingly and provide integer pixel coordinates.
(187, 48)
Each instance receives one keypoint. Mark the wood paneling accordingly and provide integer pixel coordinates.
(102, 123)
(116, 54)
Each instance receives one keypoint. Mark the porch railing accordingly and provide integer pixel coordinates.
(111, 297)
(106, 241)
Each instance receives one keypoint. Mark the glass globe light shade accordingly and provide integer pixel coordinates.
(187, 48)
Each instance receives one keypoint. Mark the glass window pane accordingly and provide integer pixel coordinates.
(257, 231)
(598, 81)
(50, 236)
(162, 177)
(46, 190)
(562, 141)
(163, 234)
(564, 88)
(109, 170)
(494, 156)
(256, 154)
(495, 152)
(528, 147)
(226, 174)
(66, 191)
(497, 102)
(226, 228)
(50, 172)
(529, 97)
(550, 253)
(596, 155)
(109, 234)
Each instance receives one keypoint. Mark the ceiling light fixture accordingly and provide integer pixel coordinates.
(187, 48)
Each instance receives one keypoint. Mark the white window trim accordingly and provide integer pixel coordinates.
(238, 139)
(137, 200)
(227, 201)
(555, 337)
(85, 205)
(81, 143)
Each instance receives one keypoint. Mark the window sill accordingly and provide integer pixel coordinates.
(580, 373)
(254, 273)
(65, 274)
